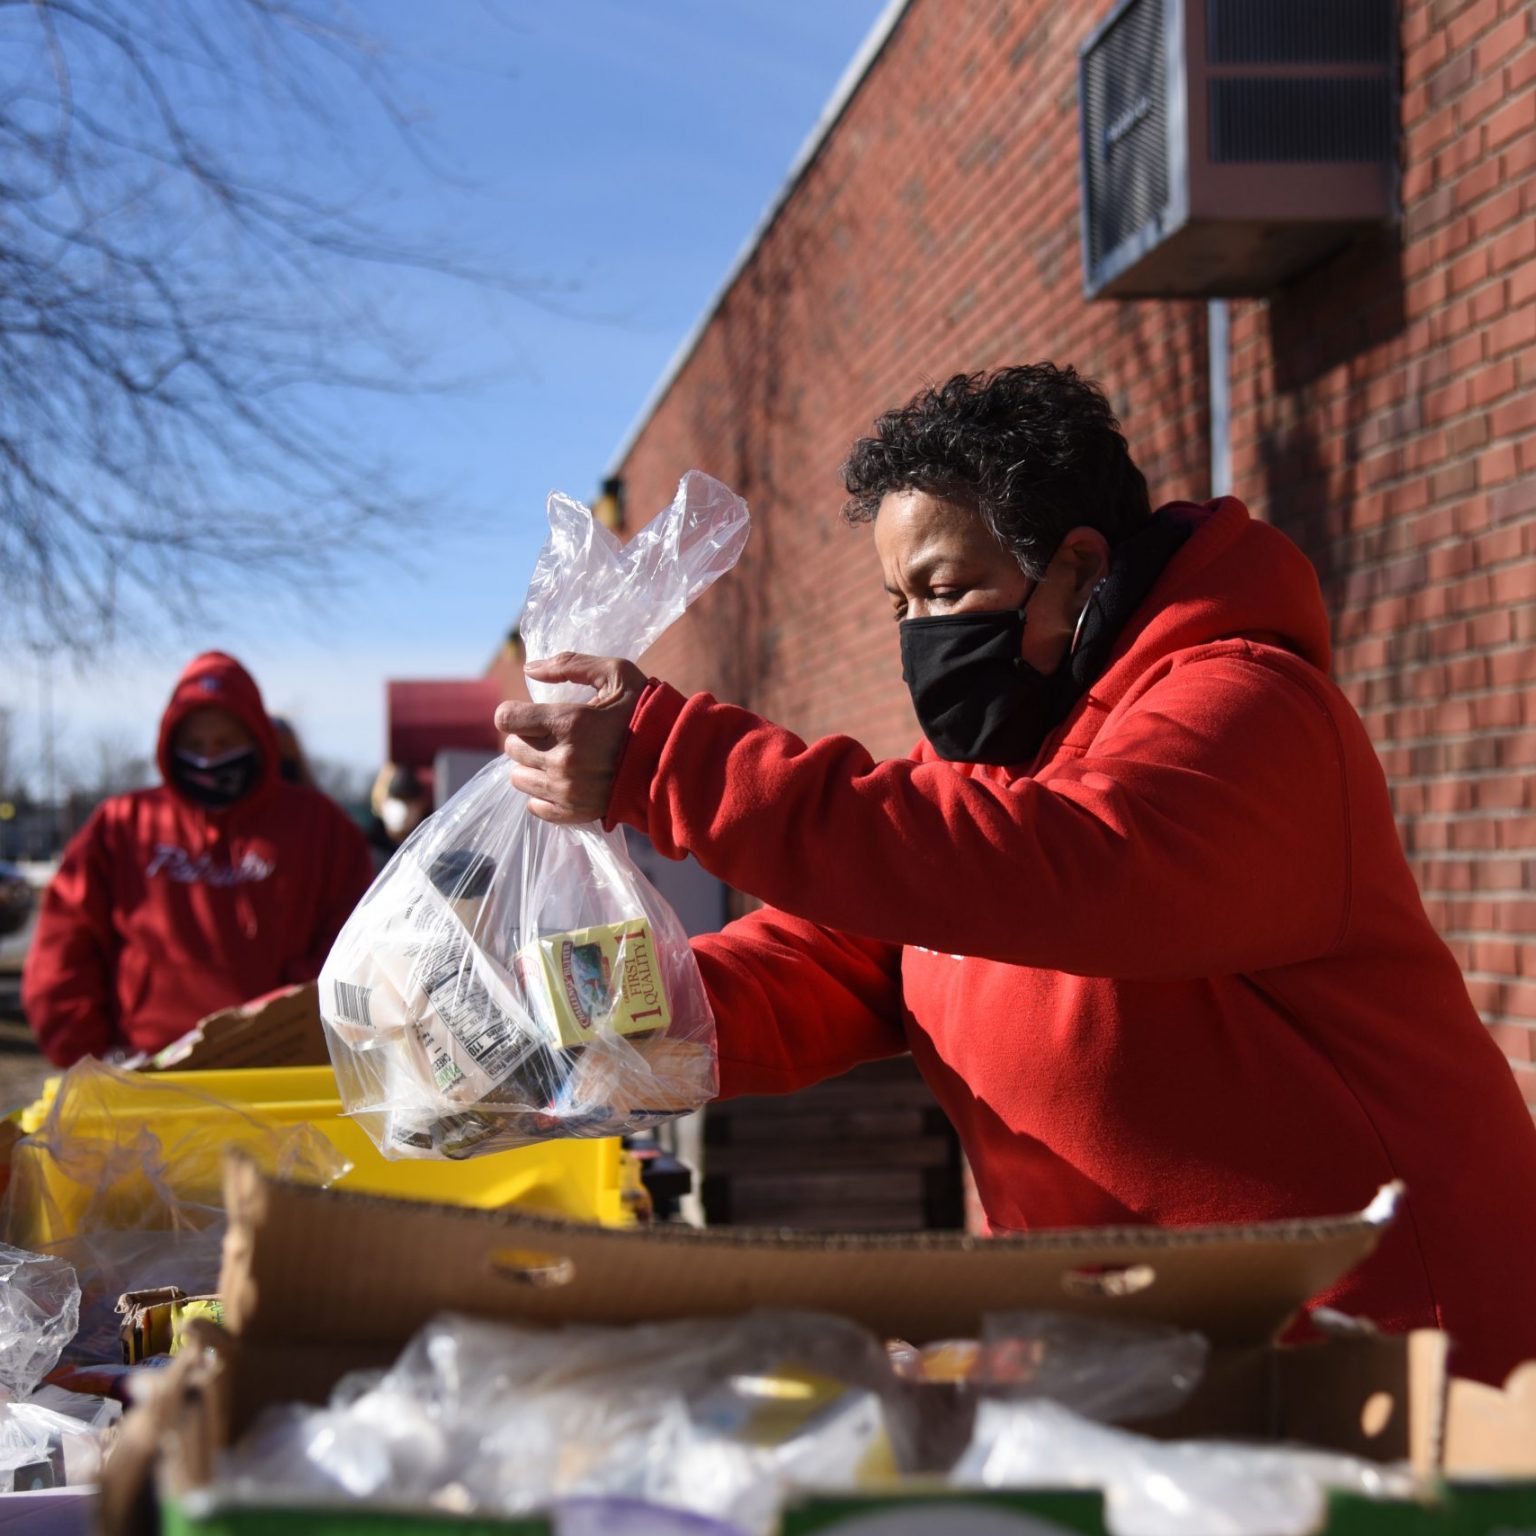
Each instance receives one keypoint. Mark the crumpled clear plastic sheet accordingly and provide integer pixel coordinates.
(39, 1314)
(123, 1180)
(55, 1439)
(506, 981)
(1106, 1369)
(1156, 1488)
(712, 1417)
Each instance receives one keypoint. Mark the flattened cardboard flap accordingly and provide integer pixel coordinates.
(304, 1264)
(1491, 1431)
(283, 1030)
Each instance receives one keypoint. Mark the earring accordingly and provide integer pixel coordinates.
(1077, 631)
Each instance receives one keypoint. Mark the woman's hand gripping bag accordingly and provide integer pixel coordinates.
(506, 981)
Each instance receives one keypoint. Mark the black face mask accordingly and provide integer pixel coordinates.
(216, 782)
(977, 699)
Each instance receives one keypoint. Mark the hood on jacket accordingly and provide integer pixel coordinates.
(216, 681)
(1233, 577)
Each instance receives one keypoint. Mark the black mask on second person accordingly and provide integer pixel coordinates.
(977, 699)
(216, 782)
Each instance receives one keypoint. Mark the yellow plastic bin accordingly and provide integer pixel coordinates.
(592, 1180)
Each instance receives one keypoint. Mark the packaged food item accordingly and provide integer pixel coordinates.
(505, 980)
(605, 977)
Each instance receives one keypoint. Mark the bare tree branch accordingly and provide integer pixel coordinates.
(189, 307)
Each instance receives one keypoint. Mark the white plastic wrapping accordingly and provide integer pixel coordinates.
(506, 981)
(1173, 1488)
(39, 1313)
(716, 1418)
(56, 1440)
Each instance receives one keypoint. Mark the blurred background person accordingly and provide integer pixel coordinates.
(220, 885)
(400, 803)
(292, 765)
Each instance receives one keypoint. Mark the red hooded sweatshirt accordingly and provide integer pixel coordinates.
(1174, 971)
(163, 911)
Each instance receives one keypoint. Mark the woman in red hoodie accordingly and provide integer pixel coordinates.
(171, 903)
(1136, 904)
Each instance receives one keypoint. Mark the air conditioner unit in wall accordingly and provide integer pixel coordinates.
(1228, 145)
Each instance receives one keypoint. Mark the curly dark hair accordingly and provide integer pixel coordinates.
(1035, 450)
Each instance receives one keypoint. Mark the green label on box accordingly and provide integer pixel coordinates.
(356, 1521)
(1046, 1512)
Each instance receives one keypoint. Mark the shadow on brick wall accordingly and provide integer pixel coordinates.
(744, 416)
(1327, 330)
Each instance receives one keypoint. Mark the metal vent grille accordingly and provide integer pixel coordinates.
(1124, 124)
(1325, 119)
(1300, 31)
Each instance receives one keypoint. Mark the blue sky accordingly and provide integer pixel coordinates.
(627, 147)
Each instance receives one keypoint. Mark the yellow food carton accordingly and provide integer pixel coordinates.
(603, 978)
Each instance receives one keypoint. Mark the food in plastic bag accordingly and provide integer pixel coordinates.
(55, 1440)
(506, 981)
(39, 1313)
(1155, 1488)
(716, 1417)
(124, 1181)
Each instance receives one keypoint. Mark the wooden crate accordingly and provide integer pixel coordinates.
(870, 1151)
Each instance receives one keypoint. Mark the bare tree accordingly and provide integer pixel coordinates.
(190, 302)
(116, 767)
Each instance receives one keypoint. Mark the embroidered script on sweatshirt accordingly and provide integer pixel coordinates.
(177, 864)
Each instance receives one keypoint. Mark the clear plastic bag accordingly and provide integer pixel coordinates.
(1105, 1369)
(39, 1313)
(54, 1441)
(714, 1417)
(506, 981)
(1156, 1488)
(124, 1179)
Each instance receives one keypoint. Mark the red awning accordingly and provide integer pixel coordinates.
(427, 717)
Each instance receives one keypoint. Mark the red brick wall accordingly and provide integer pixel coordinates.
(1385, 417)
(1382, 406)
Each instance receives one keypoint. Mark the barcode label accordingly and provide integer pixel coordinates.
(492, 1039)
(352, 1003)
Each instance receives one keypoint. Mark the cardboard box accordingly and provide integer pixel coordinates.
(318, 1282)
(281, 1030)
(153, 1321)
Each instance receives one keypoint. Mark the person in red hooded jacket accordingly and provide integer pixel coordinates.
(1136, 904)
(221, 885)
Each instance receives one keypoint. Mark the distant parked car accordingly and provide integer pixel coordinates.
(16, 899)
